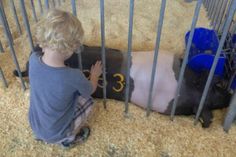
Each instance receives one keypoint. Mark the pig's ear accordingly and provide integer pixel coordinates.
(222, 84)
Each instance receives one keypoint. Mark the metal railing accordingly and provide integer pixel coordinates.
(220, 13)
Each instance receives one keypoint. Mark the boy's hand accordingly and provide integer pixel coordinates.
(96, 69)
(95, 72)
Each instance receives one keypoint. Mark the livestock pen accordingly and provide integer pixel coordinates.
(113, 134)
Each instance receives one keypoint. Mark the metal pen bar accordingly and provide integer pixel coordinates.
(204, 2)
(211, 8)
(53, 4)
(80, 59)
(217, 27)
(103, 53)
(231, 27)
(217, 8)
(33, 10)
(73, 6)
(234, 29)
(216, 20)
(4, 81)
(155, 58)
(181, 76)
(130, 35)
(46, 4)
(59, 2)
(222, 40)
(1, 47)
(207, 5)
(222, 25)
(11, 47)
(5, 19)
(56, 3)
(40, 6)
(231, 113)
(208, 2)
(13, 8)
(26, 23)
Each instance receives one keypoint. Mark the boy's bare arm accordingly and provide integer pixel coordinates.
(96, 71)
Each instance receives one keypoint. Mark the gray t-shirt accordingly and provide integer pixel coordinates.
(53, 97)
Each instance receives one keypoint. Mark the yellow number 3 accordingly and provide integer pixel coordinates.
(120, 82)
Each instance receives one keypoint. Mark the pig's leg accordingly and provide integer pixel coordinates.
(206, 116)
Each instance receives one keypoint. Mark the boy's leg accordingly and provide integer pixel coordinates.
(82, 113)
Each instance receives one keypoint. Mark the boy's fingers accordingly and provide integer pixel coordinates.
(99, 62)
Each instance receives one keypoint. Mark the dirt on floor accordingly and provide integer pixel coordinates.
(113, 134)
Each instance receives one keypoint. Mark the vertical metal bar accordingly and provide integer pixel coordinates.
(5, 19)
(13, 8)
(33, 10)
(26, 23)
(181, 76)
(11, 47)
(59, 2)
(216, 20)
(205, 3)
(53, 4)
(234, 29)
(231, 113)
(231, 28)
(211, 8)
(56, 3)
(46, 4)
(222, 25)
(103, 53)
(130, 35)
(217, 27)
(154, 66)
(3, 78)
(1, 47)
(217, 8)
(222, 40)
(40, 6)
(80, 59)
(208, 4)
(73, 5)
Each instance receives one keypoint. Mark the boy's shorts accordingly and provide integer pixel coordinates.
(81, 115)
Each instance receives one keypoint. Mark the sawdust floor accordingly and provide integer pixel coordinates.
(113, 134)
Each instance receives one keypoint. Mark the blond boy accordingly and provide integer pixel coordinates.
(60, 98)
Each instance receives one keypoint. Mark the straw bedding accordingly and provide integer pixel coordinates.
(114, 135)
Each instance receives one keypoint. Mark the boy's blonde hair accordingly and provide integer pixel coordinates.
(60, 31)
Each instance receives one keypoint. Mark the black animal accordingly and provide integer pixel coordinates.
(190, 94)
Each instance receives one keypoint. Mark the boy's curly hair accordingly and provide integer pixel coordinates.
(60, 31)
